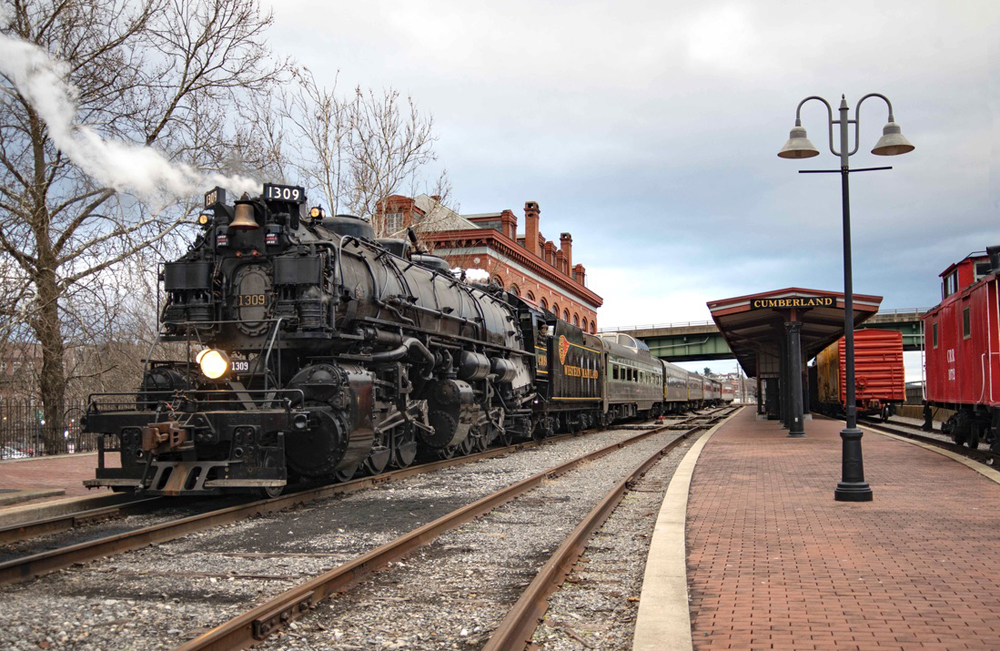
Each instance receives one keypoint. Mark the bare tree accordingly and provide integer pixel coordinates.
(354, 151)
(391, 140)
(146, 72)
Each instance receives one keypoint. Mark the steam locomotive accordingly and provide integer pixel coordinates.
(314, 351)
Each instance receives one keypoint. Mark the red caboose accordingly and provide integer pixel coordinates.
(879, 377)
(962, 344)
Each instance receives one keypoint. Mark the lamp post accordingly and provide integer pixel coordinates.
(852, 487)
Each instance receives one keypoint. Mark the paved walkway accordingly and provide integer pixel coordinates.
(773, 562)
(66, 471)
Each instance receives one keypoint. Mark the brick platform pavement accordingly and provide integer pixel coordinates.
(63, 471)
(775, 563)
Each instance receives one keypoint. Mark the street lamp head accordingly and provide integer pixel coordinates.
(892, 142)
(798, 145)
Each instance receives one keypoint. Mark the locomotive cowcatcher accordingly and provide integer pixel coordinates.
(309, 350)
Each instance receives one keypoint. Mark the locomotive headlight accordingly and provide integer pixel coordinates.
(214, 363)
(204, 219)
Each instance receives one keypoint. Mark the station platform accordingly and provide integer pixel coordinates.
(37, 479)
(774, 562)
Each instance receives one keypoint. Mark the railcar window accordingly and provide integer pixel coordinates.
(966, 324)
(614, 372)
(950, 285)
(934, 333)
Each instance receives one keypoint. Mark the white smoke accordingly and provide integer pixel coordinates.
(478, 276)
(43, 81)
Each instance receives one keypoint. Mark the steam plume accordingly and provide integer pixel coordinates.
(43, 82)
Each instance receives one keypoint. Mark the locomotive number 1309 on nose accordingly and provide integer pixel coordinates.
(251, 300)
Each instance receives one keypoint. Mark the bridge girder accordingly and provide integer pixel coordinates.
(692, 344)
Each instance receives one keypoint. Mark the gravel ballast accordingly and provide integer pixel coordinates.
(160, 596)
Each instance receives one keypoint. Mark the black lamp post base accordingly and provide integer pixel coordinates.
(853, 492)
(852, 486)
(796, 435)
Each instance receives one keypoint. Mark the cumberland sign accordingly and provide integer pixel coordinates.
(772, 303)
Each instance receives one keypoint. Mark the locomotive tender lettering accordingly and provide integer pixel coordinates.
(585, 373)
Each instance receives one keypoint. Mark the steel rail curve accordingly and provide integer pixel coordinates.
(518, 627)
(255, 625)
(906, 431)
(59, 523)
(29, 567)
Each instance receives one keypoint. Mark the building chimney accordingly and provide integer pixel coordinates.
(580, 274)
(508, 224)
(566, 246)
(531, 216)
(550, 253)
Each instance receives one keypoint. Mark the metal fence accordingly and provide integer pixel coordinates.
(24, 430)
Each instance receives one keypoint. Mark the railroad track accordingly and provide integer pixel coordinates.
(252, 627)
(66, 521)
(916, 434)
(26, 567)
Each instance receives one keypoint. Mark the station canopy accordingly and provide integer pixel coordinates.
(753, 324)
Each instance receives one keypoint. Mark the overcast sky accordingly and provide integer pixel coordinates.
(649, 130)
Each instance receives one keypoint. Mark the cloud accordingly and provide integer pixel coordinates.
(650, 131)
(43, 82)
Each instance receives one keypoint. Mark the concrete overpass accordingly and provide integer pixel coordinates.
(701, 340)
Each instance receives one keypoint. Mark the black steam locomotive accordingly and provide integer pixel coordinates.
(315, 352)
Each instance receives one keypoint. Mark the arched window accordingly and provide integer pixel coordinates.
(515, 290)
(566, 316)
(555, 309)
(530, 297)
(544, 304)
(498, 280)
(585, 328)
(593, 327)
(576, 320)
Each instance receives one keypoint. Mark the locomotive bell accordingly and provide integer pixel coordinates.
(244, 221)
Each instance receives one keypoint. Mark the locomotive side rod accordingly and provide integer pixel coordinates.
(253, 626)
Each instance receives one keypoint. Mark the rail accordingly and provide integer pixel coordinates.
(28, 567)
(255, 625)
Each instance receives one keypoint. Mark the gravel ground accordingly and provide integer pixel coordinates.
(455, 591)
(597, 605)
(158, 597)
(113, 526)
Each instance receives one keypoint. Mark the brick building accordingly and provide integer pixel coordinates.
(526, 264)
